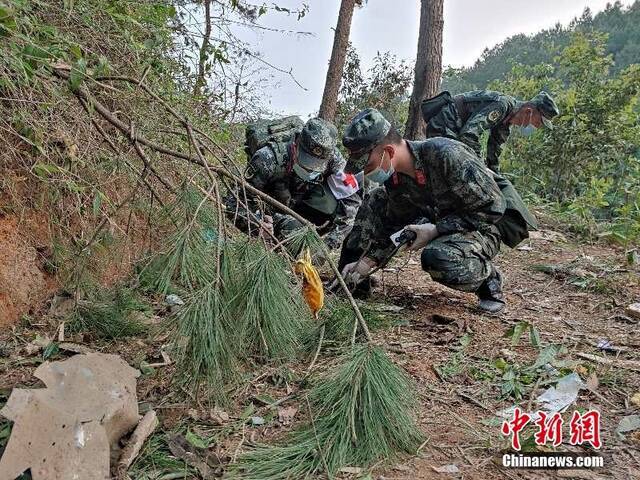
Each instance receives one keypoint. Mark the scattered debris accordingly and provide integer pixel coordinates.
(564, 394)
(547, 236)
(173, 300)
(66, 429)
(286, 415)
(577, 474)
(381, 307)
(554, 399)
(605, 345)
(633, 310)
(219, 416)
(635, 399)
(592, 382)
(145, 428)
(627, 424)
(36, 345)
(447, 469)
(256, 421)
(351, 470)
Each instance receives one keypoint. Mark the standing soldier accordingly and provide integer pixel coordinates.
(300, 167)
(467, 116)
(466, 210)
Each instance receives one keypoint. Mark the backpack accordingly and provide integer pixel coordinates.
(264, 132)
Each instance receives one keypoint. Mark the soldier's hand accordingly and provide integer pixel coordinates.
(353, 273)
(425, 232)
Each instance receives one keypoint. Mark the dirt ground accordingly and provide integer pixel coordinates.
(449, 348)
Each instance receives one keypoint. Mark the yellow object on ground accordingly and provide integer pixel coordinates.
(312, 288)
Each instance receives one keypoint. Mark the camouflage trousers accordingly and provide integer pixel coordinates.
(460, 260)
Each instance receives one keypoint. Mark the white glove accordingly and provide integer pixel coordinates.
(425, 233)
(353, 273)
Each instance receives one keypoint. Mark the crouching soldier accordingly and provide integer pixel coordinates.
(468, 209)
(298, 165)
(467, 116)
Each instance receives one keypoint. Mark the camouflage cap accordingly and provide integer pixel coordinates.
(316, 143)
(546, 106)
(366, 130)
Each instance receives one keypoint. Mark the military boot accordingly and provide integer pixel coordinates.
(490, 294)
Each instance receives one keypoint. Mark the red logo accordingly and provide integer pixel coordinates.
(350, 180)
(549, 428)
(520, 420)
(584, 428)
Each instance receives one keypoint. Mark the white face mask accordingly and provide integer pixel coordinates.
(378, 175)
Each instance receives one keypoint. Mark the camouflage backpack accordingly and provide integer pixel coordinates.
(264, 132)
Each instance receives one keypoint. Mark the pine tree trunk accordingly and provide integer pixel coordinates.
(428, 71)
(201, 79)
(336, 64)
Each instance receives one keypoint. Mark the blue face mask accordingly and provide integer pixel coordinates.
(378, 175)
(526, 131)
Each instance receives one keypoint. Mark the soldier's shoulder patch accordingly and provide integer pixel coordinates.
(494, 116)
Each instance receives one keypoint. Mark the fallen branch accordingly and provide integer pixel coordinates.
(626, 364)
(82, 93)
(130, 452)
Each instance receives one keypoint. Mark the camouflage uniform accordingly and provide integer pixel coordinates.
(467, 116)
(454, 191)
(272, 170)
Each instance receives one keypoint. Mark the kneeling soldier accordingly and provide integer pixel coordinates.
(469, 210)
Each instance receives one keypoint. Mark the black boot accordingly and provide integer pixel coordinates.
(490, 293)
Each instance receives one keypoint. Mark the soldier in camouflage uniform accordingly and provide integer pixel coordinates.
(467, 116)
(441, 180)
(307, 175)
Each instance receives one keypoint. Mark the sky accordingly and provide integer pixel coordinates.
(470, 26)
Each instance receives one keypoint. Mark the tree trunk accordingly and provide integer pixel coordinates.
(336, 64)
(428, 64)
(204, 47)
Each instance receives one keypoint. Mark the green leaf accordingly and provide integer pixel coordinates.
(501, 364)
(44, 170)
(546, 355)
(196, 440)
(7, 20)
(534, 336)
(76, 51)
(50, 351)
(146, 369)
(466, 340)
(77, 74)
(97, 202)
(516, 332)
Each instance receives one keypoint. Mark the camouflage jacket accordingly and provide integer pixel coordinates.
(269, 170)
(483, 110)
(452, 189)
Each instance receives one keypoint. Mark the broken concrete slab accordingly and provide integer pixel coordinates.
(66, 429)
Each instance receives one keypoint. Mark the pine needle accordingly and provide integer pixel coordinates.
(207, 342)
(268, 303)
(301, 239)
(187, 257)
(107, 314)
(362, 413)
